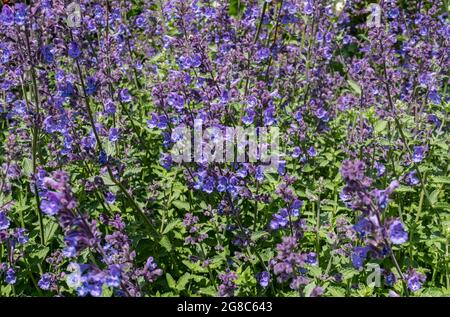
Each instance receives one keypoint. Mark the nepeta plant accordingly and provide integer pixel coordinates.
(94, 94)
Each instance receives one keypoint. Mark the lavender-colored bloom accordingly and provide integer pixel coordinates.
(21, 236)
(113, 134)
(311, 258)
(74, 50)
(7, 16)
(175, 100)
(47, 54)
(414, 280)
(21, 12)
(125, 95)
(308, 8)
(51, 205)
(110, 107)
(262, 54)
(397, 233)
(4, 221)
(110, 198)
(10, 277)
(91, 87)
(419, 154)
(411, 178)
(264, 279)
(380, 169)
(359, 255)
(312, 151)
(45, 281)
(102, 158)
(228, 286)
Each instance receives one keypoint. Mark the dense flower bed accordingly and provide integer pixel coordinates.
(93, 201)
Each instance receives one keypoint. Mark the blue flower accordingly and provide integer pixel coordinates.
(397, 233)
(110, 198)
(21, 11)
(47, 54)
(264, 279)
(312, 151)
(359, 255)
(311, 258)
(411, 178)
(262, 54)
(280, 219)
(7, 16)
(102, 158)
(125, 95)
(175, 100)
(308, 8)
(51, 204)
(91, 86)
(10, 277)
(249, 117)
(74, 50)
(45, 281)
(110, 108)
(418, 154)
(113, 134)
(4, 221)
(222, 184)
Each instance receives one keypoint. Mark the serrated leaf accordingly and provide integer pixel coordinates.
(165, 243)
(182, 205)
(355, 87)
(170, 281)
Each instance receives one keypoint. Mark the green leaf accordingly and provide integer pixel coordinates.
(209, 291)
(165, 243)
(336, 291)
(170, 281)
(27, 166)
(183, 280)
(441, 179)
(380, 126)
(258, 235)
(235, 7)
(182, 205)
(434, 196)
(355, 87)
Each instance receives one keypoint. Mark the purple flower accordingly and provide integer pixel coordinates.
(51, 204)
(411, 178)
(10, 277)
(45, 281)
(419, 154)
(125, 95)
(7, 16)
(264, 279)
(262, 54)
(110, 198)
(47, 54)
(228, 286)
(414, 280)
(74, 50)
(280, 219)
(113, 134)
(175, 100)
(4, 221)
(312, 151)
(21, 11)
(308, 8)
(359, 255)
(397, 233)
(91, 86)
